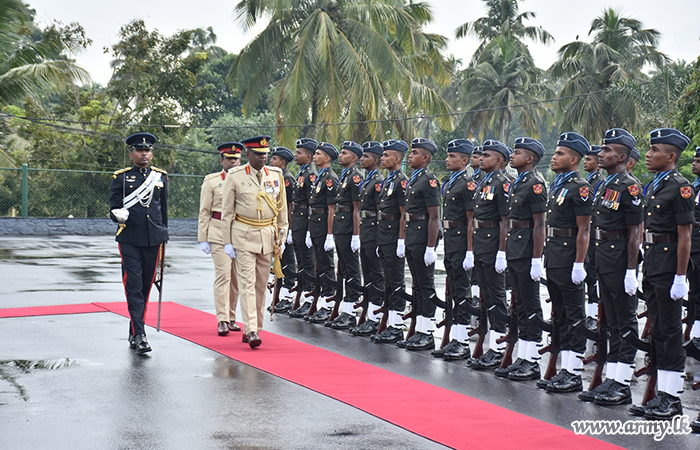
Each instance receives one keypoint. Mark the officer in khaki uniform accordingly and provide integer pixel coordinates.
(210, 239)
(254, 221)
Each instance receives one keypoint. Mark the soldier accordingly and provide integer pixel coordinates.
(281, 156)
(474, 162)
(346, 232)
(139, 204)
(300, 224)
(694, 267)
(211, 240)
(527, 199)
(372, 276)
(631, 162)
(668, 219)
(568, 234)
(489, 254)
(618, 213)
(391, 241)
(457, 214)
(254, 222)
(595, 178)
(322, 210)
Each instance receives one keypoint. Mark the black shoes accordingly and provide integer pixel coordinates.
(489, 360)
(590, 395)
(668, 407)
(618, 394)
(528, 370)
(695, 424)
(640, 410)
(563, 382)
(283, 306)
(301, 311)
(388, 336)
(223, 329)
(344, 321)
(503, 372)
(319, 316)
(141, 344)
(368, 328)
(402, 343)
(454, 350)
(253, 339)
(423, 341)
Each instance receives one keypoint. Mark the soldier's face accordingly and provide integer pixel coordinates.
(456, 161)
(475, 161)
(391, 159)
(611, 155)
(256, 160)
(347, 158)
(141, 157)
(590, 163)
(696, 165)
(519, 158)
(630, 164)
(301, 156)
(320, 158)
(418, 158)
(563, 160)
(659, 159)
(278, 161)
(228, 163)
(368, 161)
(490, 161)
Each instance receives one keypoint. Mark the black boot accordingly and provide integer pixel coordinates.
(368, 328)
(344, 321)
(457, 352)
(503, 372)
(618, 394)
(489, 360)
(320, 316)
(424, 341)
(590, 395)
(669, 407)
(389, 336)
(528, 370)
(565, 381)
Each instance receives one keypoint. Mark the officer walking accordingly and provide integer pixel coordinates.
(254, 224)
(595, 178)
(211, 240)
(139, 204)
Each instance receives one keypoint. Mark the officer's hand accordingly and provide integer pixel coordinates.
(206, 248)
(329, 245)
(282, 247)
(289, 237)
(679, 288)
(536, 270)
(430, 256)
(308, 242)
(120, 215)
(578, 273)
(400, 248)
(468, 263)
(355, 243)
(228, 249)
(501, 264)
(631, 281)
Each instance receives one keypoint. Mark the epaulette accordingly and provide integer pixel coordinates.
(274, 169)
(235, 169)
(211, 175)
(120, 171)
(159, 170)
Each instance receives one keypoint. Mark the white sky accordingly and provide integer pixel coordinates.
(677, 20)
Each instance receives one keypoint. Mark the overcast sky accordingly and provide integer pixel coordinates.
(677, 20)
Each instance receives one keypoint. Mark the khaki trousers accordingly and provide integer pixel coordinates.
(225, 285)
(253, 273)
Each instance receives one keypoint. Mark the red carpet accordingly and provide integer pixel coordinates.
(438, 414)
(51, 310)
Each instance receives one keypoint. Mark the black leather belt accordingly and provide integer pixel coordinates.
(612, 234)
(659, 238)
(385, 216)
(447, 224)
(513, 223)
(558, 232)
(368, 213)
(412, 217)
(319, 211)
(297, 206)
(487, 223)
(343, 208)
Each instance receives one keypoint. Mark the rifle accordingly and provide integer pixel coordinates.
(512, 336)
(601, 338)
(650, 367)
(447, 320)
(481, 329)
(689, 318)
(158, 281)
(275, 296)
(554, 346)
(410, 315)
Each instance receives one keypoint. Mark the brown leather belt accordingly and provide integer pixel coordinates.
(413, 217)
(297, 206)
(368, 213)
(318, 211)
(343, 208)
(612, 234)
(659, 238)
(216, 215)
(447, 224)
(559, 232)
(513, 223)
(486, 223)
(385, 216)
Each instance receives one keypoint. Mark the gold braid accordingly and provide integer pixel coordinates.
(276, 207)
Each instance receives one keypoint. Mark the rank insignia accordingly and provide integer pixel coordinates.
(433, 183)
(404, 183)
(537, 189)
(686, 192)
(506, 187)
(634, 190)
(312, 178)
(377, 187)
(583, 192)
(356, 179)
(329, 183)
(471, 186)
(286, 183)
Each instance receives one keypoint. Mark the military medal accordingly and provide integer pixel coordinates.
(562, 196)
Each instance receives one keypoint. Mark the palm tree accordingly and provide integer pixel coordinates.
(621, 47)
(342, 61)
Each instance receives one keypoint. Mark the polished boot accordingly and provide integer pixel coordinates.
(618, 394)
(402, 343)
(132, 341)
(440, 352)
(283, 306)
(389, 336)
(503, 372)
(489, 360)
(233, 326)
(640, 410)
(368, 328)
(301, 311)
(528, 370)
(565, 381)
(344, 321)
(542, 383)
(253, 339)
(142, 344)
(319, 316)
(424, 341)
(223, 329)
(456, 352)
(669, 407)
(590, 395)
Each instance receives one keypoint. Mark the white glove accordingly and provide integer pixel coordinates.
(430, 256)
(679, 288)
(631, 281)
(228, 249)
(282, 247)
(329, 245)
(121, 214)
(536, 270)
(355, 243)
(289, 237)
(468, 263)
(501, 264)
(641, 249)
(578, 273)
(308, 240)
(401, 248)
(206, 248)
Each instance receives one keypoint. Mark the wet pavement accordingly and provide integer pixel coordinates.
(71, 381)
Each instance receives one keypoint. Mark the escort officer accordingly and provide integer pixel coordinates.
(489, 254)
(139, 204)
(211, 240)
(305, 149)
(694, 266)
(668, 219)
(568, 234)
(457, 215)
(527, 199)
(322, 211)
(280, 157)
(254, 223)
(474, 163)
(595, 178)
(617, 215)
(390, 238)
(346, 232)
(372, 276)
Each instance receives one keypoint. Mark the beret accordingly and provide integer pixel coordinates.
(574, 141)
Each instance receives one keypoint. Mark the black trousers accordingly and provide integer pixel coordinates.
(394, 271)
(665, 316)
(372, 270)
(289, 266)
(591, 268)
(325, 267)
(620, 315)
(526, 293)
(694, 280)
(305, 260)
(568, 303)
(493, 292)
(138, 272)
(349, 265)
(459, 282)
(423, 281)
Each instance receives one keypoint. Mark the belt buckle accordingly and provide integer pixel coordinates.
(446, 224)
(649, 238)
(407, 217)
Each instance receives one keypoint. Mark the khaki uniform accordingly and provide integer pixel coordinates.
(247, 222)
(209, 230)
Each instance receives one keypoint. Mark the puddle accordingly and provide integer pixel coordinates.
(11, 370)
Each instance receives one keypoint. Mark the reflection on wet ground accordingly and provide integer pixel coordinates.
(12, 370)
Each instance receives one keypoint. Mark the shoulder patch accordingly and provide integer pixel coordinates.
(506, 187)
(356, 179)
(312, 178)
(686, 192)
(471, 186)
(633, 190)
(433, 183)
(329, 183)
(537, 189)
(583, 192)
(378, 187)
(286, 183)
(404, 183)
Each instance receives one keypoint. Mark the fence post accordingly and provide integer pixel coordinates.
(25, 189)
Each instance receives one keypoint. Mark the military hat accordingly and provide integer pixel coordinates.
(258, 144)
(619, 136)
(531, 144)
(373, 147)
(396, 145)
(460, 146)
(141, 141)
(353, 147)
(329, 149)
(283, 152)
(669, 136)
(574, 141)
(230, 149)
(634, 154)
(496, 146)
(697, 152)
(307, 143)
(424, 143)
(594, 150)
(478, 150)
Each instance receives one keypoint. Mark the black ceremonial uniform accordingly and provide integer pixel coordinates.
(300, 224)
(288, 261)
(596, 180)
(694, 263)
(392, 196)
(323, 193)
(371, 265)
(139, 241)
(348, 261)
